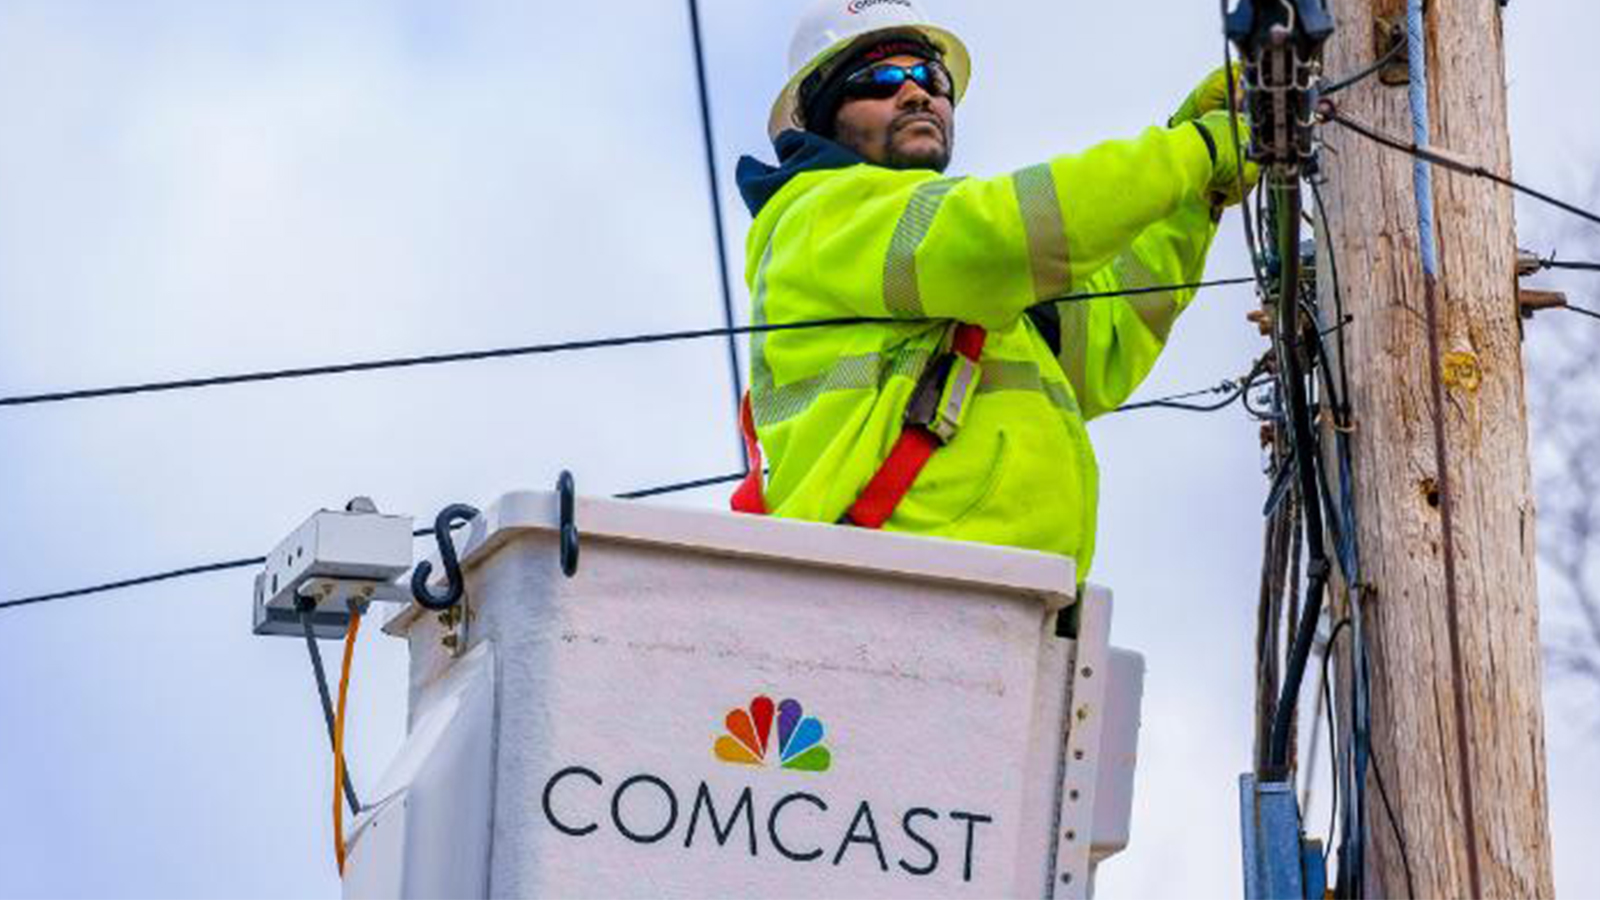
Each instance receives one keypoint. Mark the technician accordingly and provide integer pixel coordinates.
(962, 413)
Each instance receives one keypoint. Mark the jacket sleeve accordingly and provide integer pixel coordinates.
(1107, 346)
(906, 244)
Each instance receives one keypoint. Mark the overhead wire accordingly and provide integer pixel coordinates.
(713, 183)
(402, 362)
(1331, 113)
(1582, 312)
(1553, 263)
(682, 486)
(139, 581)
(1236, 389)
(158, 577)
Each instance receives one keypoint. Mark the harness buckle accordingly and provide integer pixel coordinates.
(944, 394)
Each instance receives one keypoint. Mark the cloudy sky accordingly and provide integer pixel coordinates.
(189, 188)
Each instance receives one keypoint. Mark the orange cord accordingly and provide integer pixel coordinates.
(338, 741)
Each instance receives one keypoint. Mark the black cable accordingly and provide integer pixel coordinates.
(1394, 823)
(413, 361)
(327, 702)
(1286, 212)
(1563, 264)
(1234, 389)
(1582, 312)
(536, 349)
(682, 486)
(1342, 518)
(1227, 387)
(1238, 151)
(1338, 304)
(712, 184)
(1360, 744)
(1349, 550)
(1333, 735)
(136, 582)
(1352, 80)
(1474, 170)
(154, 579)
(1164, 402)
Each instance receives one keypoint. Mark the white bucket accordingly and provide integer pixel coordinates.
(721, 705)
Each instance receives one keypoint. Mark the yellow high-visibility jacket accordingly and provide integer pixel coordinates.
(837, 237)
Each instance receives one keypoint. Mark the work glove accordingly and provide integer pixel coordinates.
(1209, 96)
(1227, 157)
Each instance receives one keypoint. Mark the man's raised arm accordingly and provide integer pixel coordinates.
(983, 250)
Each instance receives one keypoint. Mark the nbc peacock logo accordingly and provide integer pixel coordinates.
(749, 738)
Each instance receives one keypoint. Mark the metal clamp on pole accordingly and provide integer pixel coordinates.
(1281, 45)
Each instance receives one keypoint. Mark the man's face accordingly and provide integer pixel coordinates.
(910, 130)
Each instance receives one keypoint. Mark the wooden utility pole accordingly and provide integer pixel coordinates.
(1457, 724)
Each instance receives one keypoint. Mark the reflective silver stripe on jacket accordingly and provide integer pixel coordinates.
(1022, 375)
(774, 404)
(1074, 356)
(760, 371)
(901, 295)
(870, 371)
(1047, 233)
(1158, 311)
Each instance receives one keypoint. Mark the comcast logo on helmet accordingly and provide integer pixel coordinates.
(856, 6)
(799, 739)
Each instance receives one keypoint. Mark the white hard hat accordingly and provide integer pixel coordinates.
(831, 26)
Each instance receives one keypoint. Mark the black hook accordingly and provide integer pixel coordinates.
(442, 527)
(567, 493)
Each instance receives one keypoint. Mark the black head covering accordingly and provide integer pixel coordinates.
(822, 93)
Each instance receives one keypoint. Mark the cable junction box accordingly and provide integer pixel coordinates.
(333, 560)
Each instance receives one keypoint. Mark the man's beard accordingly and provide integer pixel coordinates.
(894, 157)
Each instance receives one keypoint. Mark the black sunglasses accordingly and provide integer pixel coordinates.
(884, 80)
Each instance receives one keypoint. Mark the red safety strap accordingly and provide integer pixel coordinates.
(895, 477)
(915, 447)
(748, 498)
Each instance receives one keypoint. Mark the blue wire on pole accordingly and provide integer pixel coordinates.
(712, 187)
(1417, 35)
(1422, 171)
